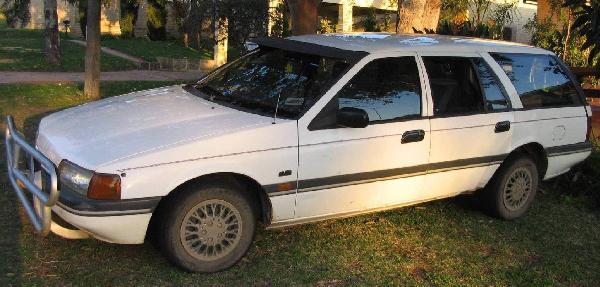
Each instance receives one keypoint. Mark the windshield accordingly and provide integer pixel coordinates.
(273, 82)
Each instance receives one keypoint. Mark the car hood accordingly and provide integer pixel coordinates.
(109, 130)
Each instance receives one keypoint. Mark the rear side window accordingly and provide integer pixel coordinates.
(387, 89)
(539, 80)
(454, 85)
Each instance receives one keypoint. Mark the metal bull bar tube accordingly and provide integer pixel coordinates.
(45, 194)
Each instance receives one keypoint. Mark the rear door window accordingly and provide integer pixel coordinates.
(539, 80)
(464, 85)
(454, 86)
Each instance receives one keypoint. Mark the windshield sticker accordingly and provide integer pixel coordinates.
(294, 101)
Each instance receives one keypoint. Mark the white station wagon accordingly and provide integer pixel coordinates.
(304, 129)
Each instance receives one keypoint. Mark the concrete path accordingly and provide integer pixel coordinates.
(114, 53)
(62, 77)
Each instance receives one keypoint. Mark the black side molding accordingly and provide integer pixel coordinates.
(569, 148)
(78, 204)
(377, 175)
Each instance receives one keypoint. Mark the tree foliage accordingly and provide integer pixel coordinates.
(16, 12)
(280, 19)
(157, 19)
(129, 13)
(370, 22)
(486, 18)
(247, 19)
(557, 33)
(587, 24)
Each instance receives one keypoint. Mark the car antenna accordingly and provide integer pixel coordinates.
(276, 107)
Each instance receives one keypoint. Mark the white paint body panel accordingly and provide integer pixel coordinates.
(163, 137)
(552, 127)
(345, 151)
(122, 229)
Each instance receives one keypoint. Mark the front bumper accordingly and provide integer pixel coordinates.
(122, 229)
(118, 221)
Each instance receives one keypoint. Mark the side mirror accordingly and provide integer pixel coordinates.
(352, 118)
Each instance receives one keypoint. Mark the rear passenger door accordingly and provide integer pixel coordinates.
(470, 122)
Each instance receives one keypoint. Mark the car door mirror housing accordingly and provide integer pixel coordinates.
(348, 117)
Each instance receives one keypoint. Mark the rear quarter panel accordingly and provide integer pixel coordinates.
(552, 127)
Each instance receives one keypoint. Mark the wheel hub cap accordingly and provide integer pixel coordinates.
(517, 189)
(211, 230)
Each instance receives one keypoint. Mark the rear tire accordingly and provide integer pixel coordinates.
(208, 228)
(512, 189)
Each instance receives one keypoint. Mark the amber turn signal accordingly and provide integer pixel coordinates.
(105, 186)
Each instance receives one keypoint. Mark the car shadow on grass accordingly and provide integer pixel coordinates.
(447, 242)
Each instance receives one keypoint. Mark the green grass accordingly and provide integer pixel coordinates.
(149, 50)
(23, 50)
(443, 243)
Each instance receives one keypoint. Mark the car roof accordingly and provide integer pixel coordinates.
(389, 42)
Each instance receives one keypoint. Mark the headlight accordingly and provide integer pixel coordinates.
(74, 177)
(87, 183)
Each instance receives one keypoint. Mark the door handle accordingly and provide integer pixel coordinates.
(502, 127)
(413, 136)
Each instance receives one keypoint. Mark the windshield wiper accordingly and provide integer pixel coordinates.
(213, 94)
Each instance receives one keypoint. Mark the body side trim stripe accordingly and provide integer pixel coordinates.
(103, 213)
(388, 174)
(569, 148)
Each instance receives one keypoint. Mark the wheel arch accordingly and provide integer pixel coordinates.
(257, 195)
(535, 151)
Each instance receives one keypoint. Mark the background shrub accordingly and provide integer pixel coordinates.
(157, 20)
(129, 12)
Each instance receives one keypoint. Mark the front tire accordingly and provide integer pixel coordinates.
(512, 189)
(207, 229)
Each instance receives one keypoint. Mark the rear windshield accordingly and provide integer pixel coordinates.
(273, 82)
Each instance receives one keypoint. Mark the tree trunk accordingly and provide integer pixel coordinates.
(417, 15)
(565, 56)
(51, 36)
(304, 14)
(431, 14)
(91, 87)
(191, 25)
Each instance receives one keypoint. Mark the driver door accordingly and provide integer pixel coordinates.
(350, 170)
